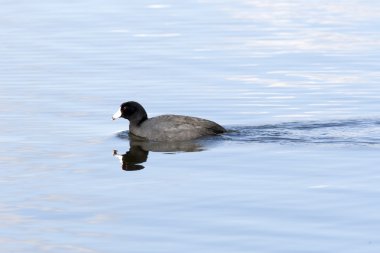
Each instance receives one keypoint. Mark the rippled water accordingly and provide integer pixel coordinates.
(346, 132)
(294, 82)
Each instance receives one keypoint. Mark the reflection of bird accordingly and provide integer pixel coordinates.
(174, 146)
(132, 159)
(139, 150)
(165, 127)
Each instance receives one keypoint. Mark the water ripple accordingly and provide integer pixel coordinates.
(346, 132)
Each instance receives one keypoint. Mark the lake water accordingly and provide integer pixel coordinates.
(296, 82)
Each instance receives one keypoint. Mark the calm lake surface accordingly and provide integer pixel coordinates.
(296, 83)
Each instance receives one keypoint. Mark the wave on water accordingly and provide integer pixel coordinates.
(345, 132)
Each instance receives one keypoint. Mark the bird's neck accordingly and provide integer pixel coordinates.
(142, 120)
(137, 122)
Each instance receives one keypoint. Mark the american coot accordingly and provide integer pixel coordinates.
(165, 127)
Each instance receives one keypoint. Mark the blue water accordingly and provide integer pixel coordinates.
(294, 82)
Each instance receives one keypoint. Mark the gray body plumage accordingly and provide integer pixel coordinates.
(175, 128)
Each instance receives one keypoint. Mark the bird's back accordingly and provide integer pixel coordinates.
(176, 128)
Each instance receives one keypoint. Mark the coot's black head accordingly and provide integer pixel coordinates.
(132, 111)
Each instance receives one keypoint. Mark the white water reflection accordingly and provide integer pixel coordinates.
(320, 26)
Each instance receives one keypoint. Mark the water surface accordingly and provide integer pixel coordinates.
(295, 82)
